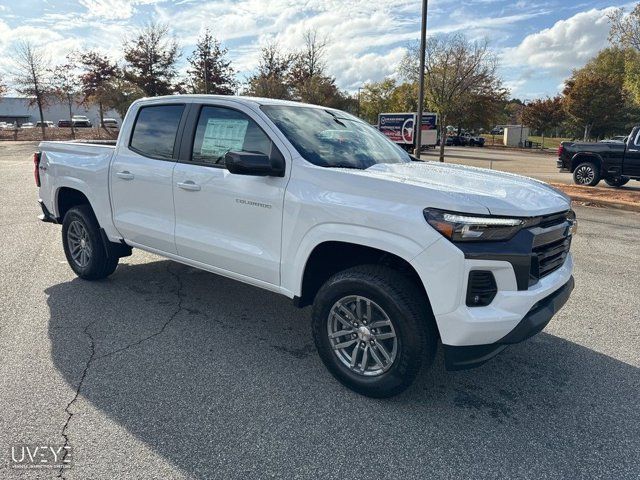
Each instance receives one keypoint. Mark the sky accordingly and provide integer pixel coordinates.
(537, 42)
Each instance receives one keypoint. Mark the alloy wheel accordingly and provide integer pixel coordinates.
(79, 243)
(362, 335)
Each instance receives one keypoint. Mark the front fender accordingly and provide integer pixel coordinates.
(293, 266)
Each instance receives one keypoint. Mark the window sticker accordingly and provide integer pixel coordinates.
(222, 135)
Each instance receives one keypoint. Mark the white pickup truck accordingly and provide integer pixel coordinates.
(394, 254)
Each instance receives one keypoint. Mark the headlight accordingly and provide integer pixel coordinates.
(460, 227)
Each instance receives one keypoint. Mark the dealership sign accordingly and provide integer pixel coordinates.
(399, 127)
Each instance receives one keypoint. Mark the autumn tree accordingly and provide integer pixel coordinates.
(625, 35)
(151, 58)
(592, 102)
(272, 77)
(64, 87)
(595, 97)
(97, 81)
(210, 71)
(457, 71)
(122, 94)
(32, 69)
(376, 98)
(544, 115)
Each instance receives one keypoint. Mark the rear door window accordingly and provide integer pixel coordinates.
(155, 130)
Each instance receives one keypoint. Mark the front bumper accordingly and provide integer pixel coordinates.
(471, 356)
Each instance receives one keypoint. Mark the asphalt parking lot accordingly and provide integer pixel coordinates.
(530, 163)
(164, 371)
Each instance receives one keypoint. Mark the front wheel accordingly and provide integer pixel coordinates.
(617, 181)
(83, 246)
(373, 330)
(586, 173)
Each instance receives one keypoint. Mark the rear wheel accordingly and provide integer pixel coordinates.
(586, 173)
(83, 245)
(373, 329)
(617, 181)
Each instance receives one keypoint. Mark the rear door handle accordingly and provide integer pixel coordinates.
(125, 175)
(189, 185)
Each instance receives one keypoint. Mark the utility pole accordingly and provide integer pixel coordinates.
(359, 89)
(423, 47)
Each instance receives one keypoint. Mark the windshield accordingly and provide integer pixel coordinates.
(330, 138)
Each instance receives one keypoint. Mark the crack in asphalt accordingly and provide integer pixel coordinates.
(92, 345)
(93, 358)
(179, 308)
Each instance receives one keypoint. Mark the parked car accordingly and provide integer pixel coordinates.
(109, 123)
(396, 256)
(64, 123)
(80, 121)
(497, 131)
(615, 163)
(474, 140)
(27, 125)
(46, 123)
(456, 141)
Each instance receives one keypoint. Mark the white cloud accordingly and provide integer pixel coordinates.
(566, 45)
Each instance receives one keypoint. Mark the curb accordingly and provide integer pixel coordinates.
(594, 201)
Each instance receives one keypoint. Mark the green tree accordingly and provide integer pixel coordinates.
(376, 98)
(595, 95)
(210, 71)
(272, 77)
(625, 35)
(544, 115)
(122, 94)
(151, 58)
(593, 101)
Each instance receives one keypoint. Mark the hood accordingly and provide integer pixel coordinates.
(499, 192)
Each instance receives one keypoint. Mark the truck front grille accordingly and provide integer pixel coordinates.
(551, 244)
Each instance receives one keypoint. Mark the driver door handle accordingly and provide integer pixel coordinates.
(125, 175)
(189, 185)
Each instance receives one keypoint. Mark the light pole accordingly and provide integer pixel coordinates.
(359, 88)
(423, 47)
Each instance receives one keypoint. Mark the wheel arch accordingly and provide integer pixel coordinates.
(67, 197)
(332, 256)
(582, 157)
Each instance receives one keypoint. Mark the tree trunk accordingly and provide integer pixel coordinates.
(42, 126)
(542, 146)
(587, 132)
(443, 140)
(101, 113)
(73, 129)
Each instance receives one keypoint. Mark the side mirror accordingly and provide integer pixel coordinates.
(256, 164)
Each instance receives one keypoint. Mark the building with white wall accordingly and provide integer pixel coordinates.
(18, 109)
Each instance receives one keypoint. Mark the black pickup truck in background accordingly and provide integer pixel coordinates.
(615, 163)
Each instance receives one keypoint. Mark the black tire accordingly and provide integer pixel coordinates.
(405, 306)
(98, 265)
(617, 181)
(586, 173)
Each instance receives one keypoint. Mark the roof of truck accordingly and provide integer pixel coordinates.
(233, 98)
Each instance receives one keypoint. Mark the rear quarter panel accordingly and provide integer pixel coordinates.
(83, 167)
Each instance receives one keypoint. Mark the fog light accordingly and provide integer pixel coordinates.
(481, 288)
